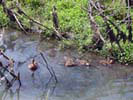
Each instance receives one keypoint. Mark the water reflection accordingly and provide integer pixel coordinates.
(79, 83)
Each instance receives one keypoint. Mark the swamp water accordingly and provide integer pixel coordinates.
(75, 83)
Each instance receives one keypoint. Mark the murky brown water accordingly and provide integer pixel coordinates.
(77, 83)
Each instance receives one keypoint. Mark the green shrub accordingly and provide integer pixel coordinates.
(3, 18)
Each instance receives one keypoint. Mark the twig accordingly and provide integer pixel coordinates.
(19, 24)
(19, 80)
(8, 82)
(12, 16)
(52, 73)
(22, 12)
(14, 77)
(94, 24)
(47, 66)
(6, 57)
(51, 29)
(12, 74)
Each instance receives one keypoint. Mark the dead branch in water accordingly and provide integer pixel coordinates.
(51, 71)
(11, 72)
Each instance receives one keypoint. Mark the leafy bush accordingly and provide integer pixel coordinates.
(127, 55)
(3, 18)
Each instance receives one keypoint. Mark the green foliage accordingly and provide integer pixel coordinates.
(127, 55)
(3, 18)
(73, 19)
